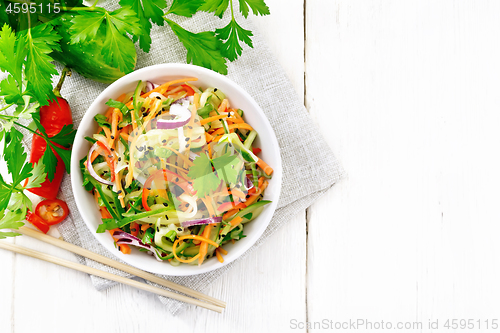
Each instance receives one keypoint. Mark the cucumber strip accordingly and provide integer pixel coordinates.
(139, 216)
(252, 207)
(118, 205)
(255, 178)
(97, 185)
(136, 104)
(250, 138)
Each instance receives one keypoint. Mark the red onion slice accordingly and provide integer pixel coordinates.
(248, 183)
(180, 111)
(150, 86)
(125, 238)
(209, 220)
(90, 167)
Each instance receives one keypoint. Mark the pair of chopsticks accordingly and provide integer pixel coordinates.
(196, 298)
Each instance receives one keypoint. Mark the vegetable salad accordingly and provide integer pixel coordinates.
(174, 171)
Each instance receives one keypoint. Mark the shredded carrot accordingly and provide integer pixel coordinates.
(125, 248)
(221, 250)
(264, 166)
(230, 213)
(208, 203)
(232, 127)
(235, 120)
(237, 220)
(219, 257)
(173, 166)
(184, 158)
(236, 114)
(213, 118)
(201, 238)
(238, 193)
(116, 118)
(125, 136)
(96, 153)
(162, 88)
(254, 197)
(233, 241)
(145, 227)
(174, 247)
(204, 245)
(208, 137)
(134, 121)
(108, 134)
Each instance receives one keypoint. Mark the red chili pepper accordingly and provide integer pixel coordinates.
(255, 151)
(189, 90)
(52, 117)
(37, 222)
(52, 211)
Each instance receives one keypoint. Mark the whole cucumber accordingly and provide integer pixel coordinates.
(85, 58)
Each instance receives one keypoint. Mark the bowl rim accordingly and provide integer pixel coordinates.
(170, 270)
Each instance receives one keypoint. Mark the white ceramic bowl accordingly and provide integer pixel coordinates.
(238, 98)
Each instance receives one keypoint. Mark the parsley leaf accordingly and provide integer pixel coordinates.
(146, 11)
(11, 57)
(185, 8)
(10, 220)
(65, 137)
(258, 7)
(40, 42)
(216, 6)
(14, 203)
(85, 26)
(203, 49)
(102, 120)
(118, 105)
(232, 34)
(204, 178)
(15, 156)
(11, 91)
(38, 176)
(125, 20)
(116, 50)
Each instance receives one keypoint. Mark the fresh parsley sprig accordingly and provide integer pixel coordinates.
(233, 33)
(13, 202)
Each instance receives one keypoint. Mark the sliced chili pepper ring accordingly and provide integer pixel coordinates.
(52, 211)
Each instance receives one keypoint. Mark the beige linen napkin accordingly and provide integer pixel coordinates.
(309, 167)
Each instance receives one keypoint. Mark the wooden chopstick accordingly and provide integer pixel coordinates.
(123, 267)
(89, 270)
